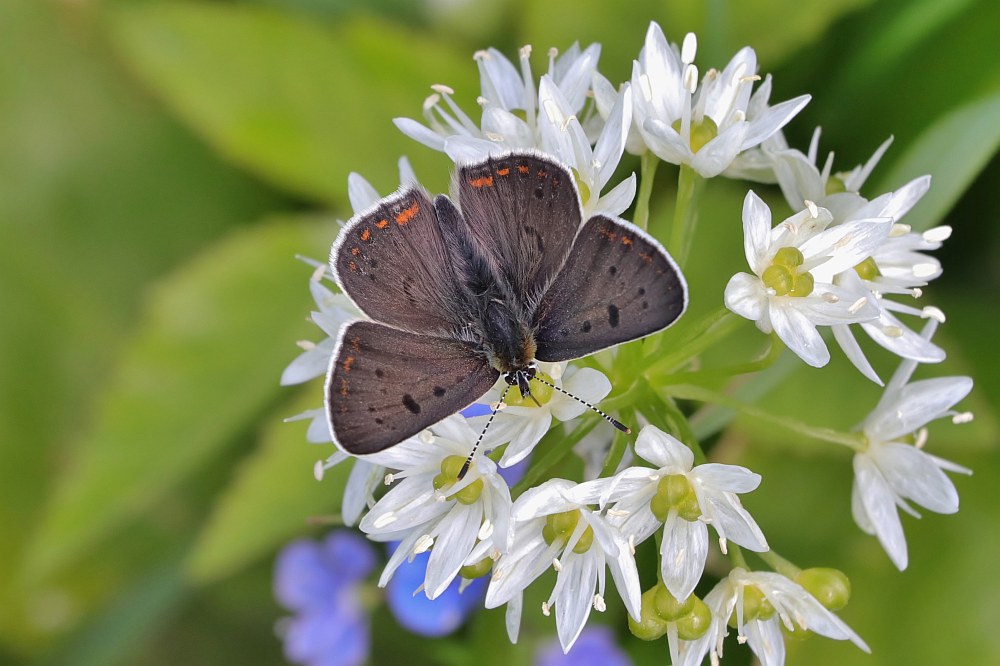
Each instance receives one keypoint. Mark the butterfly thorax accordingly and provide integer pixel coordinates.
(509, 340)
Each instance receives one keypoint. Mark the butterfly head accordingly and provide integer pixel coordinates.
(521, 378)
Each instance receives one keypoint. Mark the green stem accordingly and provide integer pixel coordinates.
(706, 333)
(704, 376)
(647, 168)
(701, 394)
(617, 451)
(780, 564)
(736, 557)
(689, 187)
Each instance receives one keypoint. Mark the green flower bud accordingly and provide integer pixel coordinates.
(477, 570)
(675, 492)
(831, 587)
(470, 494)
(558, 526)
(788, 256)
(585, 541)
(701, 132)
(804, 283)
(650, 625)
(755, 606)
(868, 269)
(778, 278)
(667, 605)
(694, 625)
(835, 184)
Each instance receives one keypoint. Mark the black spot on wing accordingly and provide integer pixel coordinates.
(438, 391)
(411, 404)
(613, 315)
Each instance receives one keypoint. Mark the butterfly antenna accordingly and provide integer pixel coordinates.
(472, 454)
(610, 419)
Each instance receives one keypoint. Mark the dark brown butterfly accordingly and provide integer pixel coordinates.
(460, 296)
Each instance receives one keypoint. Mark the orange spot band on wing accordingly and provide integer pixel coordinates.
(348, 362)
(353, 266)
(626, 240)
(382, 224)
(343, 388)
(355, 251)
(407, 214)
(366, 235)
(503, 172)
(523, 169)
(484, 181)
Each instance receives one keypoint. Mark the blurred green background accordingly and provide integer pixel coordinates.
(162, 163)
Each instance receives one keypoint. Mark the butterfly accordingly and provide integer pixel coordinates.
(459, 296)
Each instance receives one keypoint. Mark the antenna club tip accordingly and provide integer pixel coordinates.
(628, 431)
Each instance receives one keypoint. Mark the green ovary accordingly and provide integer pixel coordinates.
(451, 466)
(868, 269)
(784, 276)
(675, 492)
(539, 391)
(559, 527)
(702, 132)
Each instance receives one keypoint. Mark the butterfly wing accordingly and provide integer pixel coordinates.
(385, 385)
(393, 262)
(524, 210)
(618, 284)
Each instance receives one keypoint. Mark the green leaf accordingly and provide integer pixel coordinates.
(203, 364)
(295, 102)
(953, 150)
(272, 495)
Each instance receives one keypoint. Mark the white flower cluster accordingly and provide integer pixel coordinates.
(834, 262)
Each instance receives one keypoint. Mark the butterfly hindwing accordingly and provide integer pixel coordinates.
(385, 385)
(393, 263)
(524, 210)
(618, 284)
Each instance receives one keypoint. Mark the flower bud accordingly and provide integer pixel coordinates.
(650, 625)
(831, 587)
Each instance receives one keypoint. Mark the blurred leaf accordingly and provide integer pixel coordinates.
(953, 150)
(272, 495)
(294, 102)
(722, 27)
(100, 192)
(203, 363)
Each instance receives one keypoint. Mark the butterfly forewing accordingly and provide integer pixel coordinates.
(385, 385)
(524, 211)
(618, 284)
(393, 263)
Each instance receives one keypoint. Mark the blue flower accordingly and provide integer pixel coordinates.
(596, 646)
(417, 613)
(319, 582)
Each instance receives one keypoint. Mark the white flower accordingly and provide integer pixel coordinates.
(897, 266)
(553, 528)
(890, 470)
(793, 608)
(522, 423)
(792, 290)
(431, 509)
(704, 126)
(552, 125)
(682, 498)
(333, 310)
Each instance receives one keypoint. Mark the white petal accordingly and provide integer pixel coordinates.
(611, 144)
(915, 405)
(756, 230)
(360, 192)
(745, 295)
(420, 133)
(361, 483)
(731, 520)
(512, 618)
(617, 201)
(587, 384)
(573, 594)
(915, 475)
(550, 497)
(772, 120)
(665, 142)
(800, 334)
(682, 554)
(715, 156)
(842, 334)
(455, 539)
(766, 641)
(903, 341)
(729, 478)
(663, 449)
(530, 430)
(463, 149)
(880, 506)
